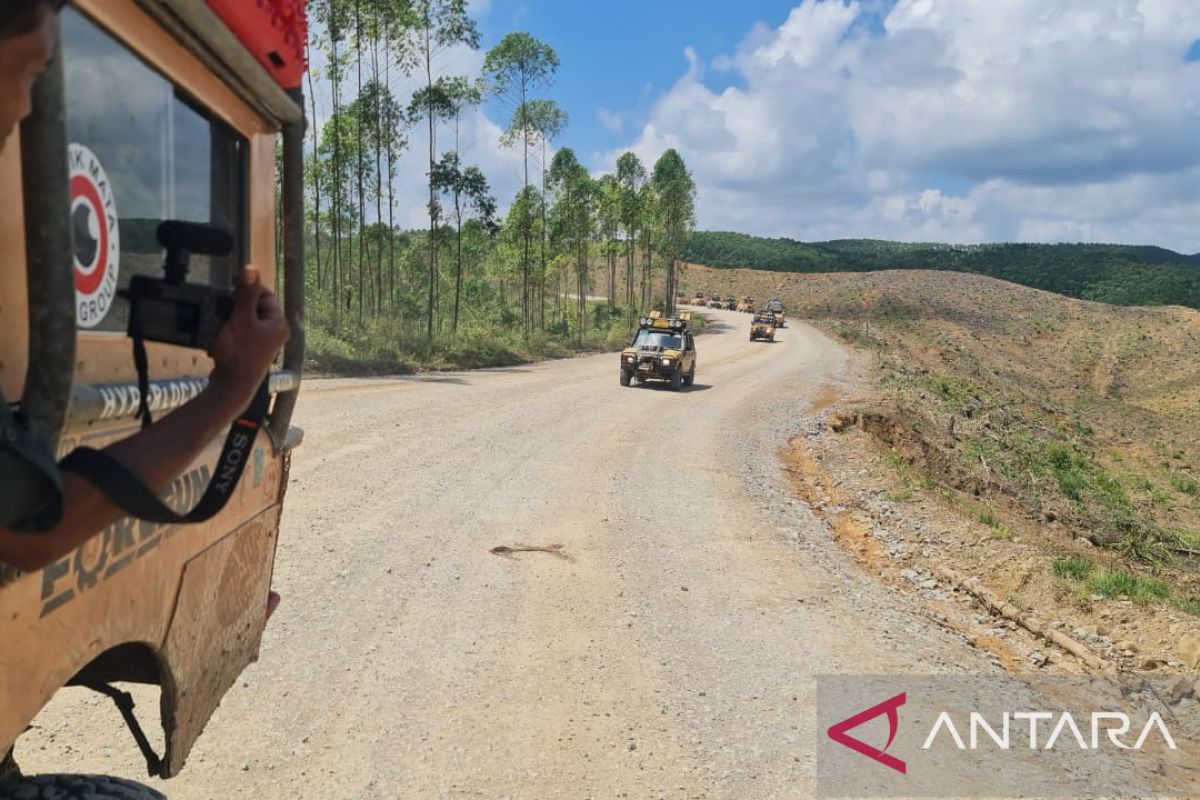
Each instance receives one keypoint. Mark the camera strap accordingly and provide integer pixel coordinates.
(126, 490)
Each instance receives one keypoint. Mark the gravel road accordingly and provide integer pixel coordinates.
(664, 645)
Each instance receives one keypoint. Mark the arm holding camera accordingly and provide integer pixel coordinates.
(242, 355)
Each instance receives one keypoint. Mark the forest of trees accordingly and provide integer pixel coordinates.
(1119, 274)
(476, 285)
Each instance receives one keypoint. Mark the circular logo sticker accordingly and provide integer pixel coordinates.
(95, 237)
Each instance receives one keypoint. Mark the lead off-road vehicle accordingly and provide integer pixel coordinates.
(663, 349)
(762, 326)
(151, 111)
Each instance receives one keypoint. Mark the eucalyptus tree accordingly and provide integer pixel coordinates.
(386, 129)
(647, 229)
(335, 17)
(574, 194)
(631, 177)
(470, 196)
(313, 178)
(548, 121)
(675, 208)
(608, 218)
(516, 68)
(437, 25)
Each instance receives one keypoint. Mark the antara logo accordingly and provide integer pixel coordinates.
(839, 732)
(1106, 728)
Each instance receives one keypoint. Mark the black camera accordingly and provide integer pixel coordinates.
(169, 309)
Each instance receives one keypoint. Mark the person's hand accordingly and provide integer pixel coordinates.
(248, 342)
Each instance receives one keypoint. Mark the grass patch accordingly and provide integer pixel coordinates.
(900, 495)
(1188, 605)
(1185, 484)
(1116, 583)
(1076, 568)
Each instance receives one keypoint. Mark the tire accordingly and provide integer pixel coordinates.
(676, 380)
(626, 378)
(690, 378)
(75, 787)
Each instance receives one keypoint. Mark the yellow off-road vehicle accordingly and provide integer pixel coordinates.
(746, 305)
(763, 326)
(776, 308)
(663, 349)
(152, 110)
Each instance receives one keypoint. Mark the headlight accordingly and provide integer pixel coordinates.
(666, 362)
(629, 359)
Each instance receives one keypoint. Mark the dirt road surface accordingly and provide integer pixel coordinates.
(665, 644)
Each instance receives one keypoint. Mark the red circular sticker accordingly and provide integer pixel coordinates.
(95, 238)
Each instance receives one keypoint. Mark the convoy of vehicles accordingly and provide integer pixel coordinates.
(663, 349)
(154, 111)
(762, 327)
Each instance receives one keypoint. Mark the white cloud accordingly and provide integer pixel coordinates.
(961, 120)
(612, 120)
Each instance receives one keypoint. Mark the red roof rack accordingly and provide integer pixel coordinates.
(275, 31)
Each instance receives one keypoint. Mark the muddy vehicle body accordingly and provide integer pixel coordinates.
(714, 300)
(776, 308)
(746, 305)
(151, 111)
(762, 326)
(663, 349)
(699, 299)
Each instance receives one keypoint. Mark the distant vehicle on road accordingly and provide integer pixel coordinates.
(776, 308)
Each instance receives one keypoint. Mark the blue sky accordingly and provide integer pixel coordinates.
(622, 54)
(917, 120)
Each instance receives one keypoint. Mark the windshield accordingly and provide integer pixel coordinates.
(663, 339)
(767, 318)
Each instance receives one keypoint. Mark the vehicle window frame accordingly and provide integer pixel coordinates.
(240, 196)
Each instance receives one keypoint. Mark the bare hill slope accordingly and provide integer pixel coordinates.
(1067, 424)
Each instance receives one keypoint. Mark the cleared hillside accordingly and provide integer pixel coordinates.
(1070, 423)
(1118, 274)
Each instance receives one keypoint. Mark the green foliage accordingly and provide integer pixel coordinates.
(1117, 583)
(1185, 484)
(1076, 568)
(1117, 274)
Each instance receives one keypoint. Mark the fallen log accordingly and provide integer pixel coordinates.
(1027, 621)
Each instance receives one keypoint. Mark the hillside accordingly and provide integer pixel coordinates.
(1118, 274)
(1060, 433)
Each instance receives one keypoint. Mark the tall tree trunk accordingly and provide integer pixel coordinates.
(629, 273)
(316, 135)
(527, 239)
(362, 198)
(335, 80)
(542, 281)
(458, 264)
(378, 179)
(432, 164)
(647, 278)
(391, 171)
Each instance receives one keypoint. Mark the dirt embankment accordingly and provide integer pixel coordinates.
(1042, 444)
